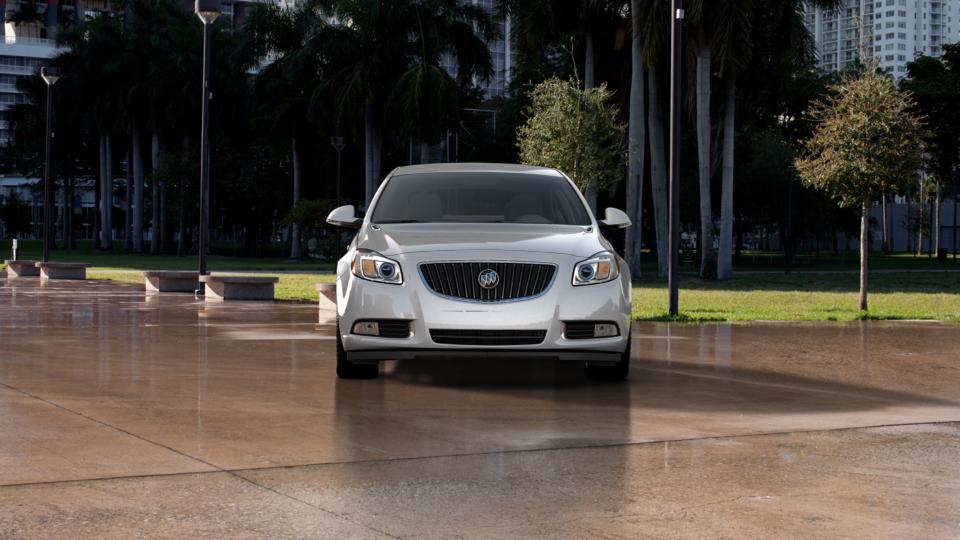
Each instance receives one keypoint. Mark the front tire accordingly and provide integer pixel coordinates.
(617, 372)
(349, 370)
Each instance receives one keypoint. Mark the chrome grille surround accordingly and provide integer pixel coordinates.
(457, 280)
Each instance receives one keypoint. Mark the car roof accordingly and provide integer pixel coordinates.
(473, 167)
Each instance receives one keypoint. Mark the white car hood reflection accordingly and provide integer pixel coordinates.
(395, 239)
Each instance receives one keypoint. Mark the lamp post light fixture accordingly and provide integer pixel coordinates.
(50, 75)
(674, 212)
(207, 11)
(338, 143)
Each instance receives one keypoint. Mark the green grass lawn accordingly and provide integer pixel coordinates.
(931, 296)
(810, 297)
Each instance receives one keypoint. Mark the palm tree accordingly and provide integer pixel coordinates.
(735, 20)
(703, 15)
(367, 51)
(288, 37)
(636, 141)
(171, 99)
(771, 40)
(92, 52)
(654, 23)
(425, 98)
(389, 52)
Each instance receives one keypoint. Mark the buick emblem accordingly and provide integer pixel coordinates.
(488, 278)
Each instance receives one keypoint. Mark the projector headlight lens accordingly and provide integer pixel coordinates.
(600, 268)
(372, 266)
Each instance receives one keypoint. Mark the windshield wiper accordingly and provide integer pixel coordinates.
(392, 221)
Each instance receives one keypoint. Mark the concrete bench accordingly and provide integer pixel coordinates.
(238, 287)
(328, 295)
(328, 302)
(22, 268)
(63, 270)
(171, 281)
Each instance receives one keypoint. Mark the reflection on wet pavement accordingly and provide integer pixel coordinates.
(110, 396)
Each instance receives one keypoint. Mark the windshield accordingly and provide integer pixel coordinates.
(480, 197)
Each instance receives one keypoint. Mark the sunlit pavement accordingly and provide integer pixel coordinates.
(123, 414)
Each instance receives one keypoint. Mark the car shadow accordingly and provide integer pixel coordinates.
(677, 386)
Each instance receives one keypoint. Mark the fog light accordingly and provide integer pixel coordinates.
(366, 328)
(605, 330)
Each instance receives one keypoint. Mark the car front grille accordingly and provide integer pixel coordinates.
(517, 281)
(491, 338)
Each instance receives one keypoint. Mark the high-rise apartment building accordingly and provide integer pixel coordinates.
(893, 32)
(502, 54)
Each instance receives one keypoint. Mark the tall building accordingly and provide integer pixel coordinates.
(893, 32)
(502, 54)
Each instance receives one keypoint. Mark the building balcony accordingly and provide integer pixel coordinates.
(25, 40)
(18, 70)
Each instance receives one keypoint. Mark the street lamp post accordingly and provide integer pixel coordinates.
(50, 75)
(674, 227)
(208, 11)
(338, 143)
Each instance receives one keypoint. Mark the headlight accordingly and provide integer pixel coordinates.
(375, 267)
(600, 268)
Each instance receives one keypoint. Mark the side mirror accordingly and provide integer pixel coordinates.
(344, 216)
(614, 219)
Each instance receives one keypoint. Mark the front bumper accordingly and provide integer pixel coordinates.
(359, 299)
(372, 356)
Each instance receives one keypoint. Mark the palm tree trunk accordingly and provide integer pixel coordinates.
(589, 81)
(707, 255)
(725, 257)
(658, 173)
(164, 237)
(920, 220)
(106, 194)
(182, 224)
(885, 245)
(182, 206)
(68, 187)
(295, 248)
(936, 221)
(371, 150)
(589, 61)
(128, 206)
(155, 195)
(97, 190)
(864, 252)
(137, 155)
(637, 154)
(424, 152)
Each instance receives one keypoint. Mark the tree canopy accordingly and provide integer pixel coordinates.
(574, 130)
(867, 140)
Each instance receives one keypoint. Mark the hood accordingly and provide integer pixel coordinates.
(429, 237)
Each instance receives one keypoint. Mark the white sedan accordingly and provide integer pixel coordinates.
(481, 260)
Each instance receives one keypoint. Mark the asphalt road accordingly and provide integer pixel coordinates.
(125, 415)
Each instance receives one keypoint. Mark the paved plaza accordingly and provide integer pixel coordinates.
(124, 413)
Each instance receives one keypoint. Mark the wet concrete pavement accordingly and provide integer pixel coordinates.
(125, 414)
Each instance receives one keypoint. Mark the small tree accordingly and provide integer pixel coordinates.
(575, 131)
(866, 142)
